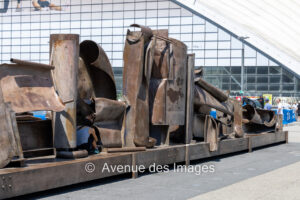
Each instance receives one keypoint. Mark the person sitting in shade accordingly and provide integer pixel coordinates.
(87, 139)
(39, 4)
(267, 106)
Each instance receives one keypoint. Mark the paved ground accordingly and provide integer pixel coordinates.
(268, 173)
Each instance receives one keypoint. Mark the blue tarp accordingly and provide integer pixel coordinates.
(288, 115)
(213, 113)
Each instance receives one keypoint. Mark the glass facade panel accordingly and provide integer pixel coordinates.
(25, 35)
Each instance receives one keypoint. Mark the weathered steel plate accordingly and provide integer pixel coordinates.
(29, 88)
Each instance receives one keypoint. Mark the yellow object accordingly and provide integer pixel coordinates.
(268, 96)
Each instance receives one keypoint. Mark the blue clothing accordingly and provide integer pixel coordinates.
(268, 106)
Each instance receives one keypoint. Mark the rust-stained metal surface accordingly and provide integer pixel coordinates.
(108, 121)
(9, 136)
(238, 118)
(203, 98)
(198, 126)
(189, 99)
(29, 87)
(258, 120)
(214, 91)
(60, 172)
(136, 86)
(95, 74)
(109, 110)
(96, 84)
(211, 133)
(168, 81)
(35, 134)
(110, 138)
(64, 54)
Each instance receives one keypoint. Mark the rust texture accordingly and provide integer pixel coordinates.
(29, 88)
(136, 76)
(97, 106)
(64, 54)
(95, 74)
(168, 81)
(258, 120)
(10, 145)
(215, 92)
(165, 100)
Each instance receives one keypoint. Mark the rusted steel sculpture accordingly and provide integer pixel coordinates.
(215, 92)
(95, 73)
(168, 81)
(258, 120)
(64, 54)
(108, 120)
(10, 145)
(96, 84)
(154, 82)
(229, 114)
(204, 98)
(136, 77)
(29, 87)
(24, 86)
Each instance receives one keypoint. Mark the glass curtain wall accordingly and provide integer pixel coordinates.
(25, 27)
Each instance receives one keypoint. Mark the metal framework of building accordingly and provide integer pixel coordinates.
(214, 30)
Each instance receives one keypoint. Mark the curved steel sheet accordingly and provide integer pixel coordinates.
(99, 70)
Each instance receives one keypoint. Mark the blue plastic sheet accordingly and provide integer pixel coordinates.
(213, 113)
(40, 114)
(288, 116)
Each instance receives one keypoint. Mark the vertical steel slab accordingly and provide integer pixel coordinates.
(64, 55)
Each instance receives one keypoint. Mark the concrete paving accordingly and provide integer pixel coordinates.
(266, 173)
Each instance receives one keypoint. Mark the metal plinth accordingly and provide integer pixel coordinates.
(46, 173)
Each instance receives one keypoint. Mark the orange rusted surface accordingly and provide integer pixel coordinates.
(28, 88)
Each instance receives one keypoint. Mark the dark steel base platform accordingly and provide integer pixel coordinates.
(46, 173)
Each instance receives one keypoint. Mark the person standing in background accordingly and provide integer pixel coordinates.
(267, 106)
(295, 110)
(6, 4)
(299, 111)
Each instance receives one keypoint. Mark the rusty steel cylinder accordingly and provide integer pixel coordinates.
(214, 91)
(64, 55)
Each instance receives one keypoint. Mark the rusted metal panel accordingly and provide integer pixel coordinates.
(52, 170)
(168, 81)
(157, 95)
(64, 49)
(258, 120)
(211, 133)
(109, 110)
(238, 118)
(176, 87)
(29, 87)
(95, 70)
(110, 138)
(9, 135)
(198, 126)
(136, 86)
(214, 91)
(202, 98)
(85, 84)
(189, 98)
(125, 149)
(35, 134)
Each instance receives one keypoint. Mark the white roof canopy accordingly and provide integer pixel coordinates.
(273, 26)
